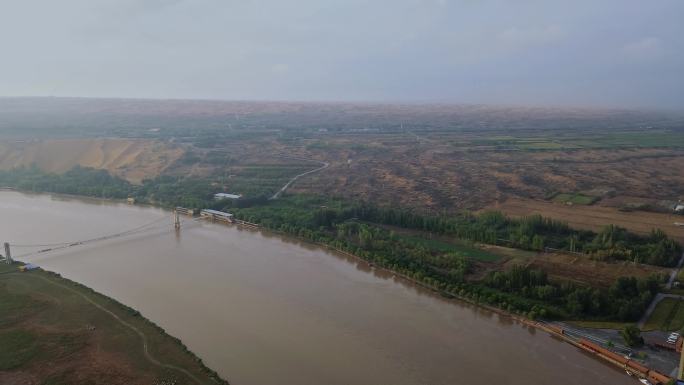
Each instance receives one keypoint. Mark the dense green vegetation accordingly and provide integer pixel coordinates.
(168, 191)
(251, 181)
(361, 229)
(351, 228)
(632, 336)
(78, 181)
(529, 233)
(626, 300)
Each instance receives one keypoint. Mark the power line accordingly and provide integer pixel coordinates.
(89, 240)
(65, 245)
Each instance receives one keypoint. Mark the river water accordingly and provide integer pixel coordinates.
(261, 309)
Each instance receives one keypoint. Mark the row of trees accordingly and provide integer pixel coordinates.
(531, 233)
(625, 300)
(524, 290)
(78, 181)
(169, 191)
(355, 228)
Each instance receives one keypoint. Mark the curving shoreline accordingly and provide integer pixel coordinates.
(128, 318)
(514, 317)
(554, 331)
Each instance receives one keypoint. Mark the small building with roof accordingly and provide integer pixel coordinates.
(221, 196)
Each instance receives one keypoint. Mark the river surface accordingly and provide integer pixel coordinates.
(261, 309)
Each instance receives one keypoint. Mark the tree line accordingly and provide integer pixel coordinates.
(358, 228)
(522, 290)
(530, 233)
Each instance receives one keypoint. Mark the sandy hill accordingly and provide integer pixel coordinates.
(133, 160)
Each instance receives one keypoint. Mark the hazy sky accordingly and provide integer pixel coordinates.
(579, 52)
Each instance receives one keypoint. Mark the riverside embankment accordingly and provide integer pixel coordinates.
(263, 309)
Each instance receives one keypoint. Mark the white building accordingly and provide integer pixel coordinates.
(220, 196)
(216, 215)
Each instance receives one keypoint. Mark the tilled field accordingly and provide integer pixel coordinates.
(585, 271)
(594, 217)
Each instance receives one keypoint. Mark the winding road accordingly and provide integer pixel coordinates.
(660, 296)
(289, 183)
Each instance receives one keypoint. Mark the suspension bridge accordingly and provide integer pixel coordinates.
(41, 248)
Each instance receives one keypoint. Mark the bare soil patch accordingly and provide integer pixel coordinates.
(595, 217)
(133, 160)
(585, 271)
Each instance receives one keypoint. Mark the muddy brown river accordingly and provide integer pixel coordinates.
(261, 309)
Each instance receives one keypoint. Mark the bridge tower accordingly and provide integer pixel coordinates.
(8, 254)
(176, 220)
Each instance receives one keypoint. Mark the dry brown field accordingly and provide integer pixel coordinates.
(585, 271)
(441, 174)
(594, 217)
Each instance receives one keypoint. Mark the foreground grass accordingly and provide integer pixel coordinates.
(54, 331)
(667, 316)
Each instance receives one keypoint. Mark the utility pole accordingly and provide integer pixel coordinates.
(8, 254)
(176, 222)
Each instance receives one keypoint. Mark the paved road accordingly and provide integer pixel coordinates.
(674, 273)
(659, 297)
(599, 336)
(289, 183)
(664, 361)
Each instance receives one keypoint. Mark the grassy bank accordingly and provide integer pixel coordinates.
(667, 316)
(55, 331)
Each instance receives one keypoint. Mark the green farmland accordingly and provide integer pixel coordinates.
(471, 252)
(667, 316)
(575, 199)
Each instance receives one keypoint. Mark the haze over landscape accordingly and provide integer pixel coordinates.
(334, 192)
(624, 53)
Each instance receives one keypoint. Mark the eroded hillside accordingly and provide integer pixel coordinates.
(133, 160)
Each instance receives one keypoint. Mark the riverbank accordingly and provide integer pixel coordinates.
(630, 366)
(56, 331)
(257, 303)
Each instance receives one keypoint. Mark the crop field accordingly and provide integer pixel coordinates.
(585, 271)
(594, 218)
(49, 329)
(667, 316)
(632, 139)
(575, 199)
(652, 139)
(471, 252)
